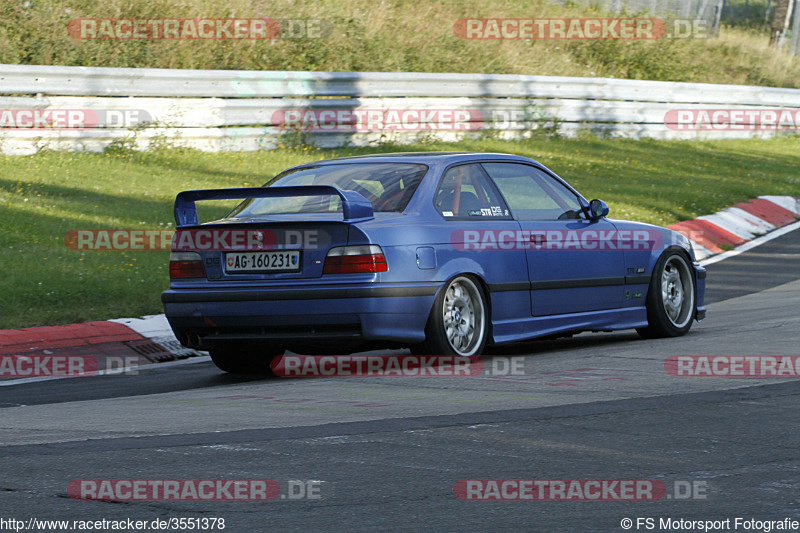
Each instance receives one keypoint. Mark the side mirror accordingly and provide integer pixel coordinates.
(597, 209)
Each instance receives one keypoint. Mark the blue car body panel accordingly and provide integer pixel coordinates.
(530, 293)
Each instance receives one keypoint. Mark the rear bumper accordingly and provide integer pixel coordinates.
(389, 312)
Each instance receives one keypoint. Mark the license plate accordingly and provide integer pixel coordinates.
(282, 261)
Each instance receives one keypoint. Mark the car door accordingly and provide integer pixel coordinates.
(574, 265)
(480, 237)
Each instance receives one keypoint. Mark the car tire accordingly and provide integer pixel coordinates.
(459, 321)
(670, 297)
(244, 358)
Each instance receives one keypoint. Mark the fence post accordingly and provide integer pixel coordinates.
(781, 23)
(718, 17)
(794, 46)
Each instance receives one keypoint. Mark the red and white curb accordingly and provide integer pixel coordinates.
(156, 328)
(149, 339)
(106, 346)
(732, 228)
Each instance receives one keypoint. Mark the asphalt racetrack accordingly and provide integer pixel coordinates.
(385, 453)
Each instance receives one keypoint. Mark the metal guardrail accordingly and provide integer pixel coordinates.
(250, 110)
(101, 81)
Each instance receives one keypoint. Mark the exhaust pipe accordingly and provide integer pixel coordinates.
(192, 340)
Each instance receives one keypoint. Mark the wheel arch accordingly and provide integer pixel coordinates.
(686, 255)
(659, 322)
(483, 286)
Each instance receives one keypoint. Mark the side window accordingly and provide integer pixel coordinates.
(465, 192)
(532, 194)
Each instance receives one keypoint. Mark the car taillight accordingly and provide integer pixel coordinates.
(184, 265)
(355, 260)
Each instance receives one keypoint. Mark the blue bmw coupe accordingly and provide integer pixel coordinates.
(441, 252)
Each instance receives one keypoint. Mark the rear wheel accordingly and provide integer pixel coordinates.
(244, 358)
(458, 322)
(670, 298)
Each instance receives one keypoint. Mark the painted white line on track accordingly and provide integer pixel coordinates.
(750, 245)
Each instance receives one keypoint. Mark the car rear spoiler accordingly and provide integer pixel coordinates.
(355, 207)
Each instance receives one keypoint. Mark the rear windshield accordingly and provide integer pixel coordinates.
(388, 186)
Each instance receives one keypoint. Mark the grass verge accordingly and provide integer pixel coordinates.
(45, 195)
(392, 36)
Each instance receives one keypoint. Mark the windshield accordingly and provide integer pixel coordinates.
(388, 186)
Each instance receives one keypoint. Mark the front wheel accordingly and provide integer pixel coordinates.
(244, 358)
(458, 322)
(670, 298)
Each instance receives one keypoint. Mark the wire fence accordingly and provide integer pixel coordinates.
(707, 10)
(781, 16)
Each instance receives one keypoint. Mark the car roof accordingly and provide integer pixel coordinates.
(428, 158)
